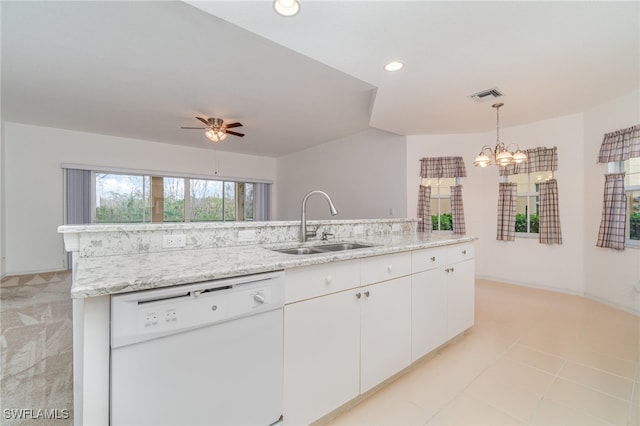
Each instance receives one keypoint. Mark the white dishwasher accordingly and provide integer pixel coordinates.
(209, 353)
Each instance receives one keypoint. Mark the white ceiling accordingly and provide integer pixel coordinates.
(143, 69)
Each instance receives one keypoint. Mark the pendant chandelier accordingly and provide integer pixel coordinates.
(500, 154)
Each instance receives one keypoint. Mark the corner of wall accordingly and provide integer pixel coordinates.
(2, 203)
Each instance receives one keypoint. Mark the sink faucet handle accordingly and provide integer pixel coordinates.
(325, 236)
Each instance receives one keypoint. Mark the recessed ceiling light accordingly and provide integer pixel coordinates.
(286, 7)
(394, 66)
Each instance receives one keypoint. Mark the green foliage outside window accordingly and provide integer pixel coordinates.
(446, 222)
(634, 226)
(521, 223)
(122, 208)
(173, 209)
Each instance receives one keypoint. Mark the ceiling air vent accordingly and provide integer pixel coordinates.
(486, 95)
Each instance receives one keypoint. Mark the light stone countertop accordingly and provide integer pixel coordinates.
(96, 276)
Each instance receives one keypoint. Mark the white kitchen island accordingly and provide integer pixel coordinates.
(371, 295)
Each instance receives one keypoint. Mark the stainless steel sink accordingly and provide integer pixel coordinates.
(322, 248)
(343, 246)
(299, 250)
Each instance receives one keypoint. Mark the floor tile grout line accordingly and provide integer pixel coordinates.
(588, 365)
(459, 393)
(634, 389)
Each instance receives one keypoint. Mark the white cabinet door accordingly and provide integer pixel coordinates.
(385, 330)
(428, 311)
(321, 355)
(460, 297)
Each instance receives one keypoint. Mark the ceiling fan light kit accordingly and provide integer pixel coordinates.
(215, 135)
(501, 155)
(216, 130)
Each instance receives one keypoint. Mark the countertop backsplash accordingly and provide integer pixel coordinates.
(121, 239)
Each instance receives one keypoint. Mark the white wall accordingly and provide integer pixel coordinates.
(610, 275)
(2, 203)
(525, 261)
(34, 181)
(364, 174)
(577, 266)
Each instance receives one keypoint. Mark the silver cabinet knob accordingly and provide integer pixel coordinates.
(464, 252)
(366, 293)
(259, 298)
(433, 258)
(358, 295)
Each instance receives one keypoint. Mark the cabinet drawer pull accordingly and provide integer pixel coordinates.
(358, 295)
(390, 268)
(366, 293)
(328, 279)
(433, 258)
(464, 252)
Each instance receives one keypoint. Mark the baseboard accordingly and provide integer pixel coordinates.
(589, 296)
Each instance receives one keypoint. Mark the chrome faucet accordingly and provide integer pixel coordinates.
(303, 219)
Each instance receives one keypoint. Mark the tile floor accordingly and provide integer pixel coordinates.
(533, 358)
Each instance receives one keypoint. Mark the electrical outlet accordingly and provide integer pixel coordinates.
(246, 235)
(174, 241)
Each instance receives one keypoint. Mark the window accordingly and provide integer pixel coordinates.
(121, 198)
(126, 198)
(632, 190)
(441, 217)
(527, 204)
(170, 197)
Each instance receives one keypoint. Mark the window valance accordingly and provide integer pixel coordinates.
(620, 145)
(540, 159)
(442, 167)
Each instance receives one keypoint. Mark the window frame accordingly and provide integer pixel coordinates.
(619, 167)
(439, 196)
(535, 195)
(147, 178)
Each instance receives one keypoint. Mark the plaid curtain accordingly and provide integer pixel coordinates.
(442, 167)
(424, 209)
(539, 159)
(549, 232)
(507, 211)
(620, 145)
(614, 213)
(457, 210)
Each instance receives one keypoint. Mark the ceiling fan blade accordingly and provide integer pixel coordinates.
(203, 120)
(232, 125)
(234, 133)
(199, 128)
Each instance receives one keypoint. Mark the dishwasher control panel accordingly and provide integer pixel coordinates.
(151, 314)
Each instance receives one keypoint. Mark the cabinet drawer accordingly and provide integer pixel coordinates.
(313, 281)
(425, 259)
(386, 267)
(460, 252)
